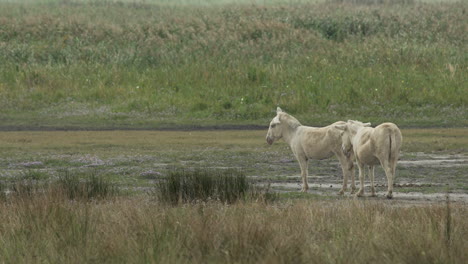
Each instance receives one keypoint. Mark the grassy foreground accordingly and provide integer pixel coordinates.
(182, 63)
(48, 228)
(98, 224)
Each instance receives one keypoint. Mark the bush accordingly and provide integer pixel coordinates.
(25, 187)
(69, 185)
(227, 186)
(3, 191)
(90, 187)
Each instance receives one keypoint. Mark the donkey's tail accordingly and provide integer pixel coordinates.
(394, 138)
(391, 146)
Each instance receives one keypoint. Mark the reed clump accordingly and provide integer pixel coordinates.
(69, 185)
(204, 185)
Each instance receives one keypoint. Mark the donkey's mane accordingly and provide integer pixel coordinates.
(290, 120)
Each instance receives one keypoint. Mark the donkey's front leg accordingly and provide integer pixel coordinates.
(304, 172)
(347, 167)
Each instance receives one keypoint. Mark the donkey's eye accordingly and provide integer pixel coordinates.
(273, 125)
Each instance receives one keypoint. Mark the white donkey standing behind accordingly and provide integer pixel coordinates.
(311, 143)
(372, 146)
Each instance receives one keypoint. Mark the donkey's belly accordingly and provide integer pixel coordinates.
(319, 155)
(368, 159)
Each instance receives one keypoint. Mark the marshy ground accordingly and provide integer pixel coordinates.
(433, 162)
(133, 226)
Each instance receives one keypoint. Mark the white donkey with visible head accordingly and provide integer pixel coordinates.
(372, 146)
(311, 143)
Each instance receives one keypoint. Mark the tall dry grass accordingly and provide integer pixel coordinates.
(51, 228)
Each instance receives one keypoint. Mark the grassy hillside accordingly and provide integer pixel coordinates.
(162, 63)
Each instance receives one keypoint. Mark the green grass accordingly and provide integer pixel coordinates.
(300, 195)
(435, 140)
(33, 175)
(159, 64)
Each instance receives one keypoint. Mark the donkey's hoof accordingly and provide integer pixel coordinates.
(341, 192)
(360, 193)
(389, 195)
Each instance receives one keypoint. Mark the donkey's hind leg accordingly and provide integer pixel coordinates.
(371, 176)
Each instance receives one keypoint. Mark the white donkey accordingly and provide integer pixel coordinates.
(372, 146)
(311, 143)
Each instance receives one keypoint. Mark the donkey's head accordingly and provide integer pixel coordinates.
(348, 131)
(353, 126)
(275, 131)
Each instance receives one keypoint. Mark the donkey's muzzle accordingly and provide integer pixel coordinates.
(269, 140)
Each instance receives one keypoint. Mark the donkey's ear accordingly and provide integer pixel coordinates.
(367, 124)
(278, 110)
(341, 127)
(276, 120)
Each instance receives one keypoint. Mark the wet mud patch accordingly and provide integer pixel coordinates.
(421, 178)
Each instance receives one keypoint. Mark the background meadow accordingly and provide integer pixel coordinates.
(177, 63)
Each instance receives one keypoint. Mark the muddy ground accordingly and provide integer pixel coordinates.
(421, 178)
(136, 159)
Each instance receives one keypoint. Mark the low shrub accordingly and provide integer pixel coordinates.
(69, 185)
(227, 186)
(89, 187)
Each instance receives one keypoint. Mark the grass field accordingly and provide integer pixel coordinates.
(139, 230)
(133, 226)
(184, 63)
(129, 224)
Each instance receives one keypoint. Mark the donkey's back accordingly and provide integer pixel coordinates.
(318, 142)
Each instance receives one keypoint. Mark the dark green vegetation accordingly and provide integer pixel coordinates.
(159, 63)
(73, 186)
(202, 185)
(87, 188)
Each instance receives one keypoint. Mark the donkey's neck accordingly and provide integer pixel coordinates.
(289, 133)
